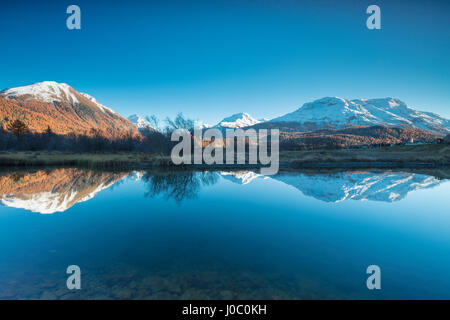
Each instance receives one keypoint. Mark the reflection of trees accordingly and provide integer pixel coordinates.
(178, 185)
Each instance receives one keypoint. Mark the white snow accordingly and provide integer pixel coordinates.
(241, 176)
(238, 120)
(385, 186)
(136, 175)
(334, 112)
(98, 104)
(50, 91)
(43, 202)
(140, 122)
(46, 91)
(363, 185)
(50, 202)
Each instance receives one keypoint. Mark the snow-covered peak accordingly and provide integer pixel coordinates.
(335, 112)
(139, 121)
(98, 104)
(46, 91)
(238, 120)
(49, 91)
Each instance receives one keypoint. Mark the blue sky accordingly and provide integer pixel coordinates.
(210, 59)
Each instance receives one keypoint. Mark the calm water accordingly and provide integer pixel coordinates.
(224, 235)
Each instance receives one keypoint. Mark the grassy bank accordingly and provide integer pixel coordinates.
(88, 160)
(429, 154)
(396, 156)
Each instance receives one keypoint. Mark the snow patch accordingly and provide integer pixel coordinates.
(46, 91)
(238, 120)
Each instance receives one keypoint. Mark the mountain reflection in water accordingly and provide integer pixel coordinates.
(230, 234)
(57, 190)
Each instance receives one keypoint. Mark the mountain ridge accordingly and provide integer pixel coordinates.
(63, 109)
(236, 121)
(339, 113)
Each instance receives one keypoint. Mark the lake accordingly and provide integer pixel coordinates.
(224, 234)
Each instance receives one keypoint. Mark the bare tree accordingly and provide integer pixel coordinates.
(18, 128)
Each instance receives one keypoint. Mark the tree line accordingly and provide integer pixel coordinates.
(17, 137)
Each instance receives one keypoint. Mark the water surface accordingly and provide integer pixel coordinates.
(224, 234)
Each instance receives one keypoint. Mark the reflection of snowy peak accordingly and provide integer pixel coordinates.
(386, 186)
(54, 191)
(44, 202)
(240, 177)
(377, 186)
(136, 175)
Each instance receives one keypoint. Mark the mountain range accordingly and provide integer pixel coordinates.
(339, 113)
(65, 110)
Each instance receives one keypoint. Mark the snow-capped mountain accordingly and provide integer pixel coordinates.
(46, 91)
(238, 120)
(333, 112)
(62, 108)
(141, 123)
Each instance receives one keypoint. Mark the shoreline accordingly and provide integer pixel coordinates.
(416, 156)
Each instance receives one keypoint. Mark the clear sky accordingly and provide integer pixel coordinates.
(210, 59)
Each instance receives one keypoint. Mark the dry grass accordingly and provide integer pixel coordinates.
(429, 153)
(434, 154)
(90, 160)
